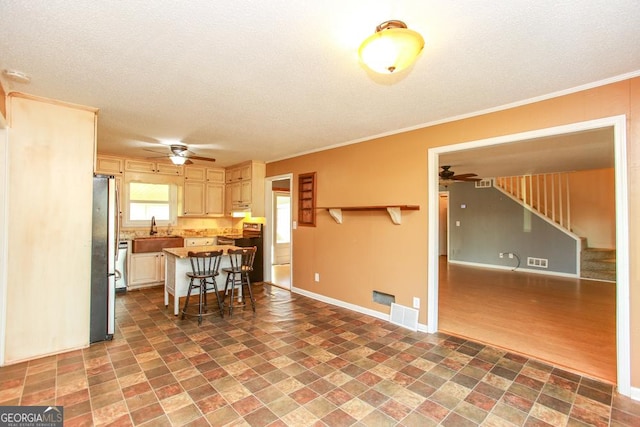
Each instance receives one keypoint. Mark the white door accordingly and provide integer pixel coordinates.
(282, 228)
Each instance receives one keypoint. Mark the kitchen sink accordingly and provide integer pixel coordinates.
(156, 243)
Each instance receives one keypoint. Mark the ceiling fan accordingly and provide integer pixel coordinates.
(447, 176)
(181, 155)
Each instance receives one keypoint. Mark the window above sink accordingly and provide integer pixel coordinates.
(144, 200)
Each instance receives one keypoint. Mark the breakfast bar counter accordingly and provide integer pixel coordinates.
(177, 266)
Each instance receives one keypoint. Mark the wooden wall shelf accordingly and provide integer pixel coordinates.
(394, 211)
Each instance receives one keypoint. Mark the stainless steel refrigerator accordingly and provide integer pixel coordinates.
(104, 249)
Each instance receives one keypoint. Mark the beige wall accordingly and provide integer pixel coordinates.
(367, 252)
(51, 150)
(3, 102)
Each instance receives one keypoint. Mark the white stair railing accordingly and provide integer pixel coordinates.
(547, 194)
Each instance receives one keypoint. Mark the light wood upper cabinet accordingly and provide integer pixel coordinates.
(216, 175)
(199, 173)
(131, 165)
(204, 191)
(139, 166)
(194, 173)
(193, 200)
(214, 199)
(169, 169)
(245, 183)
(203, 199)
(239, 172)
(107, 165)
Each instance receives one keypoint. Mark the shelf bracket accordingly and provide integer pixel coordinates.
(394, 213)
(336, 214)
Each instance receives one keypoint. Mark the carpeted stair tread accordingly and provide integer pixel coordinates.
(598, 263)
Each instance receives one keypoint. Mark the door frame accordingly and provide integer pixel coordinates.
(619, 125)
(269, 225)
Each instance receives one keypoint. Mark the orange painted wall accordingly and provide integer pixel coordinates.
(367, 252)
(593, 207)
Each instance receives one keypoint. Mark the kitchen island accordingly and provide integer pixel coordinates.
(178, 265)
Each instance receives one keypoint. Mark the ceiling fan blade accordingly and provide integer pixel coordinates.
(464, 175)
(467, 179)
(155, 151)
(206, 159)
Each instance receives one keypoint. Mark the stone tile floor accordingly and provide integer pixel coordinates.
(301, 362)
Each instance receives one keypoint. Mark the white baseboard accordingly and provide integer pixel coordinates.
(349, 306)
(635, 393)
(506, 267)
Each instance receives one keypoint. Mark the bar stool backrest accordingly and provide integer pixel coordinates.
(242, 259)
(205, 263)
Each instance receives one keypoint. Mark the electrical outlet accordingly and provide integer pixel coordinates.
(501, 255)
(316, 277)
(510, 255)
(416, 302)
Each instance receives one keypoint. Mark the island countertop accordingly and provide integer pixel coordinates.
(183, 252)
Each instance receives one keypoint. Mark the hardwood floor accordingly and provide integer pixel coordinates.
(564, 321)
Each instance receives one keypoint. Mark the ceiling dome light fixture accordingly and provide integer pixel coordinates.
(16, 76)
(393, 47)
(178, 160)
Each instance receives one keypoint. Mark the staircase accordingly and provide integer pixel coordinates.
(546, 194)
(549, 196)
(598, 264)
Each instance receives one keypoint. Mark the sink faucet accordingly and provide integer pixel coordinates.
(154, 229)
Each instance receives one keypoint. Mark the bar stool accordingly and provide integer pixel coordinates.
(204, 269)
(238, 276)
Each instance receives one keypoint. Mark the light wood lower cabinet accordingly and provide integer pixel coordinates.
(146, 269)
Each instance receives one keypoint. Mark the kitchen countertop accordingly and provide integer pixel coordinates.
(183, 252)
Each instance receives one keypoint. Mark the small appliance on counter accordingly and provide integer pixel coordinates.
(251, 236)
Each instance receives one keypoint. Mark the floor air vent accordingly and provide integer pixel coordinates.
(382, 298)
(404, 316)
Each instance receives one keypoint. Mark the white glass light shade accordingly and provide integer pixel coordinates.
(178, 160)
(392, 48)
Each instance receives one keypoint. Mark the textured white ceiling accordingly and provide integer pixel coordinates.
(270, 79)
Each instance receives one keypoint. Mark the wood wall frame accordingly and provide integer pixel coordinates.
(307, 199)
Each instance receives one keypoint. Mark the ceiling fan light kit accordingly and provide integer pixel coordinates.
(392, 48)
(181, 155)
(178, 160)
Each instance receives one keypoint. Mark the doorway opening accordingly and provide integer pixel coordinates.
(618, 125)
(278, 236)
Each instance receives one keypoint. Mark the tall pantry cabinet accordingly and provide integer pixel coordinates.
(50, 152)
